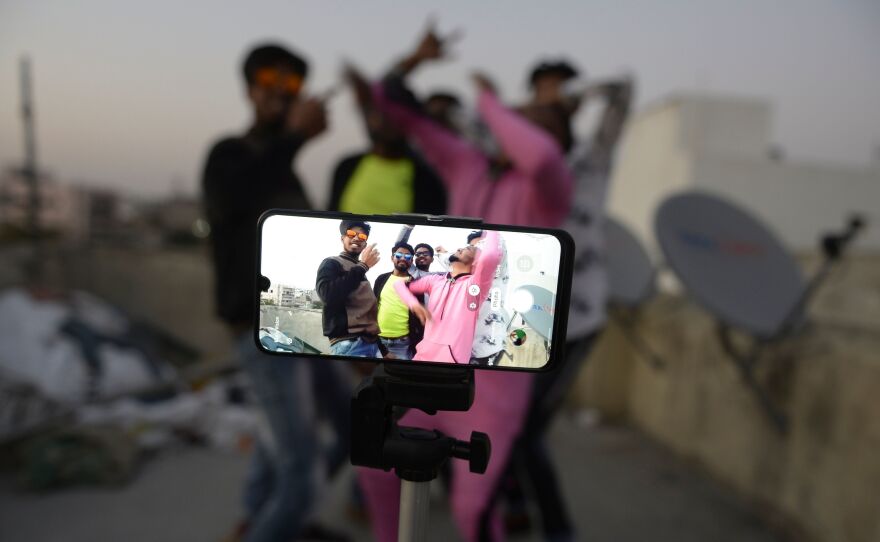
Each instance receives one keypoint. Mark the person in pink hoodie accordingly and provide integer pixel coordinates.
(526, 183)
(454, 301)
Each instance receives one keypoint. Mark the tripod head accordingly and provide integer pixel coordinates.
(415, 454)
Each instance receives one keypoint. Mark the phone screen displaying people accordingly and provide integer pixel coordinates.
(383, 290)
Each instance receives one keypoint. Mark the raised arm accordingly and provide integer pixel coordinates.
(443, 150)
(404, 233)
(618, 96)
(532, 151)
(488, 257)
(443, 260)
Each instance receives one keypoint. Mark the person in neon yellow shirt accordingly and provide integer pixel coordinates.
(399, 331)
(390, 177)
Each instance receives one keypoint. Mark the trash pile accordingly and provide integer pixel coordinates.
(86, 392)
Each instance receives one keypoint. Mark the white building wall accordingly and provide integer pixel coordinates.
(723, 125)
(720, 145)
(650, 165)
(799, 202)
(285, 295)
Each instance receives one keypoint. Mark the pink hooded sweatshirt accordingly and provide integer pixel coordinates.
(454, 304)
(536, 191)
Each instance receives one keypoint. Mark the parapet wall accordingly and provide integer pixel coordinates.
(824, 474)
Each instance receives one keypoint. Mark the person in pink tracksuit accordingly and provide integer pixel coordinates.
(528, 184)
(454, 301)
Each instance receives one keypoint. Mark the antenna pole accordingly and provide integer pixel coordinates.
(29, 169)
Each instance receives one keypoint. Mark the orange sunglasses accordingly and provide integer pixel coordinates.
(270, 77)
(352, 234)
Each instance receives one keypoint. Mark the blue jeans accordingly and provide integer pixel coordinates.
(280, 486)
(355, 347)
(399, 347)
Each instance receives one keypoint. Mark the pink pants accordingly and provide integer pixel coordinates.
(499, 407)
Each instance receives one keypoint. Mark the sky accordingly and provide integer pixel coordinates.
(130, 95)
(294, 247)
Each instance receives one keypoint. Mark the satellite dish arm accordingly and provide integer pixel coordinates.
(833, 246)
(745, 362)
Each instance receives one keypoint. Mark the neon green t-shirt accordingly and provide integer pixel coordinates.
(380, 186)
(393, 313)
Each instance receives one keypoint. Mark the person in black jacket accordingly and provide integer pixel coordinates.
(350, 310)
(399, 330)
(390, 177)
(244, 176)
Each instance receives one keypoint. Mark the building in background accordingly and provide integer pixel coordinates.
(722, 145)
(63, 209)
(177, 220)
(81, 214)
(289, 296)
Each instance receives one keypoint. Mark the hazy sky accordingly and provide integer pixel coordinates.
(131, 94)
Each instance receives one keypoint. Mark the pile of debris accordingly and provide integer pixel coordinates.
(86, 392)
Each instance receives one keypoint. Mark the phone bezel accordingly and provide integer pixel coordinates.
(563, 285)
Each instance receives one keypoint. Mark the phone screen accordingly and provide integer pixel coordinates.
(412, 291)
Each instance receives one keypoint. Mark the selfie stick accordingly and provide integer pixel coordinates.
(416, 455)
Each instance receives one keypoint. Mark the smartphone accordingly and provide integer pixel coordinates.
(412, 289)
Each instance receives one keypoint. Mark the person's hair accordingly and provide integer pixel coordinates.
(402, 245)
(558, 67)
(269, 55)
(443, 96)
(473, 235)
(427, 246)
(346, 225)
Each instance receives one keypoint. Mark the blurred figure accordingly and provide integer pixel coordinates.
(244, 176)
(389, 177)
(591, 161)
(533, 189)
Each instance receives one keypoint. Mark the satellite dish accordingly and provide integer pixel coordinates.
(734, 267)
(630, 272)
(729, 262)
(540, 316)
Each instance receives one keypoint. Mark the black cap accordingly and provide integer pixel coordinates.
(349, 224)
(558, 67)
(269, 55)
(473, 235)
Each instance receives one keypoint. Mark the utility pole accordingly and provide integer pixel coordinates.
(29, 169)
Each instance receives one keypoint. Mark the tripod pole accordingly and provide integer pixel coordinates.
(414, 504)
(415, 454)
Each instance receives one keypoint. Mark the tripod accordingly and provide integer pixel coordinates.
(416, 455)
